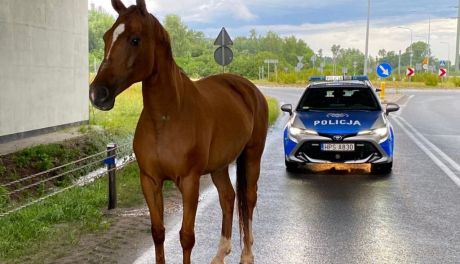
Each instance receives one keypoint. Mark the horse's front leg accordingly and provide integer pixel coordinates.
(153, 193)
(189, 187)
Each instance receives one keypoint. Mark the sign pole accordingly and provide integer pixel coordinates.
(223, 53)
(366, 55)
(268, 71)
(276, 73)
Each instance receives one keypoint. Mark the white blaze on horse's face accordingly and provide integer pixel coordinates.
(116, 33)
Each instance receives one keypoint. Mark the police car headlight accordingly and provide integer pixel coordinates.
(295, 131)
(365, 132)
(381, 132)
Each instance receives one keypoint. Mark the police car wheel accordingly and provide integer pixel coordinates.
(384, 168)
(291, 166)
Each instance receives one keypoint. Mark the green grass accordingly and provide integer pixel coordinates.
(274, 111)
(44, 157)
(76, 212)
(122, 119)
(129, 188)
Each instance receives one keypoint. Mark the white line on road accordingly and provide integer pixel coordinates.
(403, 106)
(428, 152)
(431, 145)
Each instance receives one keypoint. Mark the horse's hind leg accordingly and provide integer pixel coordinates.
(154, 197)
(224, 186)
(252, 167)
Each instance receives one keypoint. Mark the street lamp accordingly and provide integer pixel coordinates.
(367, 36)
(411, 51)
(457, 62)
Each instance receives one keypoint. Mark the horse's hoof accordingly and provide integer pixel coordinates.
(217, 260)
(247, 259)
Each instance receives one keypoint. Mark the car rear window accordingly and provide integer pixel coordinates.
(339, 98)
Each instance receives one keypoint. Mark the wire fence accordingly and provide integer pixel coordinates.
(46, 184)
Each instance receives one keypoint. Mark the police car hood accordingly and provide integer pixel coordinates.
(343, 122)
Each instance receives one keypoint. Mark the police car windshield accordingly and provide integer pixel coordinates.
(339, 98)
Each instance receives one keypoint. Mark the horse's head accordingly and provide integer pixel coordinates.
(129, 54)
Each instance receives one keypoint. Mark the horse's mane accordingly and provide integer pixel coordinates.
(162, 36)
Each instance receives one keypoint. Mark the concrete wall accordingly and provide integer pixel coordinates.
(43, 64)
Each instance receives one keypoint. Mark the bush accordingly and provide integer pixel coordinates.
(287, 78)
(431, 80)
(455, 81)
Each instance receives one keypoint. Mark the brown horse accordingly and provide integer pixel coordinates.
(186, 129)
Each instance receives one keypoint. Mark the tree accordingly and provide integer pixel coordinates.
(320, 53)
(98, 23)
(335, 50)
(420, 50)
(347, 58)
(179, 34)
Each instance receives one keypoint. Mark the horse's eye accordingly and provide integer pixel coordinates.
(135, 41)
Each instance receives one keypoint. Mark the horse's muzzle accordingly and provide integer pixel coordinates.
(101, 97)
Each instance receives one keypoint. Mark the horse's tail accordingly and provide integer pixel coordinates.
(241, 193)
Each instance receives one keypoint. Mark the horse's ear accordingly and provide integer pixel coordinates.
(141, 5)
(118, 6)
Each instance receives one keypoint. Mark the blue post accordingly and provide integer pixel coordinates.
(111, 167)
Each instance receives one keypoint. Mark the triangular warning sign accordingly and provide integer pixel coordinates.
(426, 61)
(223, 39)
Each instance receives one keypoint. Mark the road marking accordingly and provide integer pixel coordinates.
(434, 147)
(403, 106)
(425, 149)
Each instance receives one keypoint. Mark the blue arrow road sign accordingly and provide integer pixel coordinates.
(442, 63)
(384, 70)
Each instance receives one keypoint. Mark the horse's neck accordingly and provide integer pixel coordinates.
(166, 91)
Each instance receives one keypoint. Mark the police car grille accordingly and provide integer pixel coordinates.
(313, 150)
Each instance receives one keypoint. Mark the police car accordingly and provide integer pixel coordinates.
(339, 120)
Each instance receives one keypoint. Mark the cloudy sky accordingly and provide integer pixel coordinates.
(320, 23)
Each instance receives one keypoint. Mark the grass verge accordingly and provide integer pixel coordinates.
(62, 219)
(273, 110)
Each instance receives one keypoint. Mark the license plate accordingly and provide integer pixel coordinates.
(337, 147)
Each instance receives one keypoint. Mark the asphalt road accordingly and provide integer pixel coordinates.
(342, 216)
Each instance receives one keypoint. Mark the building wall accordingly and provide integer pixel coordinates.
(43, 64)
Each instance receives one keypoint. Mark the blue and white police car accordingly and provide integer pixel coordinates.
(339, 120)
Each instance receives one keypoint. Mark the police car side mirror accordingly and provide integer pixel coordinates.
(391, 107)
(287, 108)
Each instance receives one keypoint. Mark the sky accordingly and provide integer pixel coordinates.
(321, 23)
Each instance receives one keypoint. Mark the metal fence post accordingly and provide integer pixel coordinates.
(111, 168)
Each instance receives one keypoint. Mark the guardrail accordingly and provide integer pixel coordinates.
(82, 172)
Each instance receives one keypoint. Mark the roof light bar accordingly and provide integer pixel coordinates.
(339, 78)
